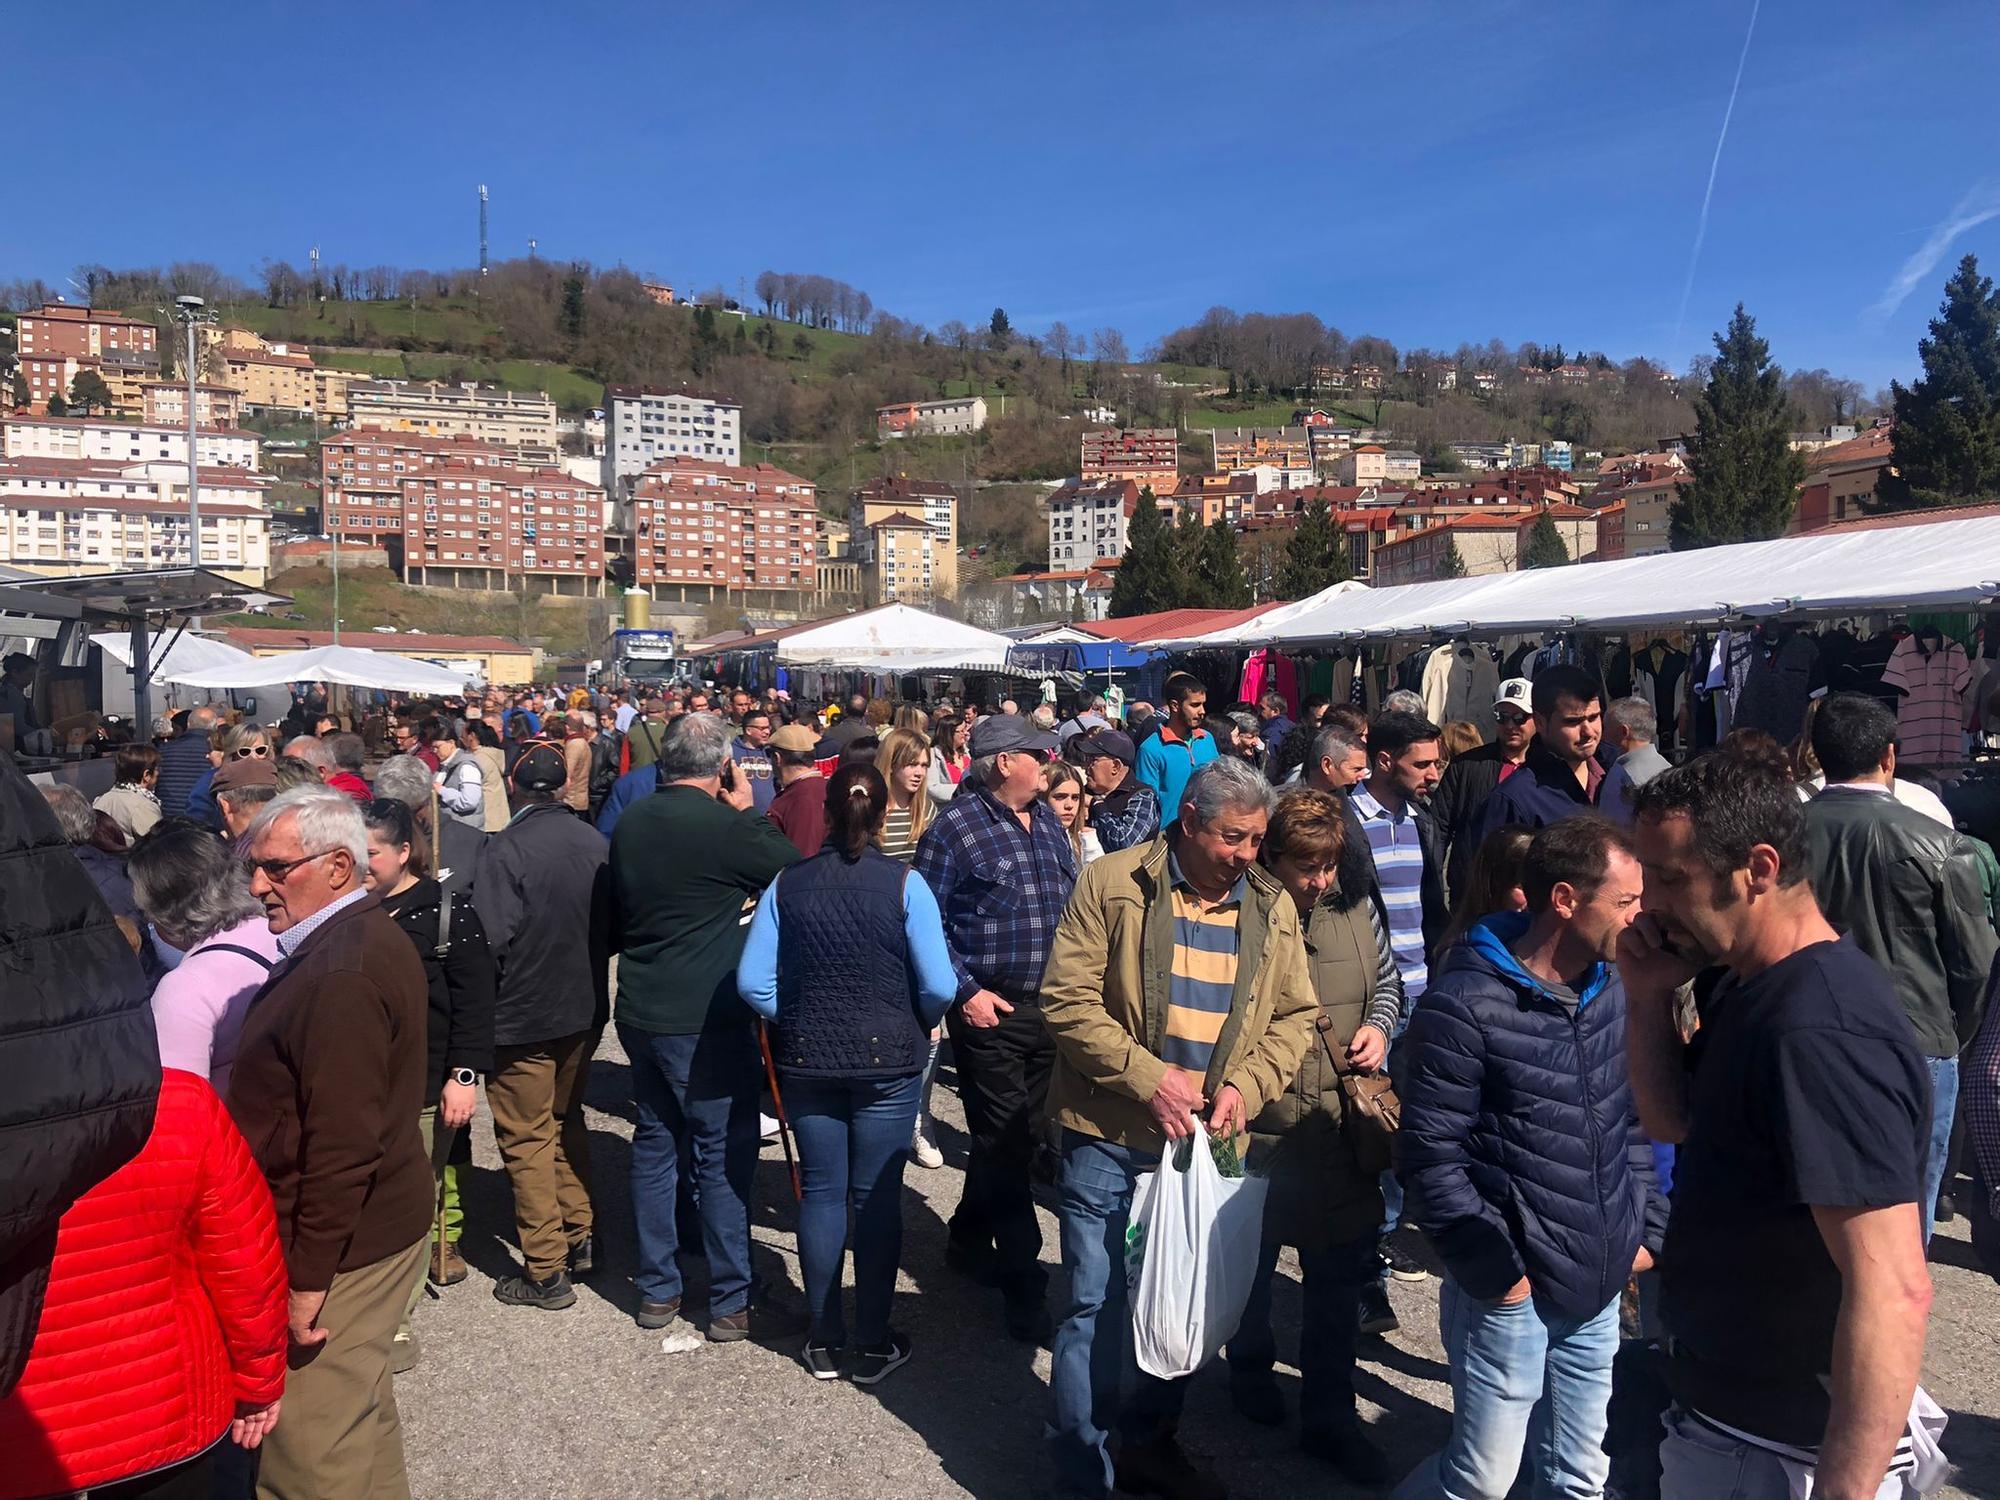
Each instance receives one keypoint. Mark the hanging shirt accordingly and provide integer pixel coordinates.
(1927, 716)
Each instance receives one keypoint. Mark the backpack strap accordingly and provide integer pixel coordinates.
(266, 964)
(444, 923)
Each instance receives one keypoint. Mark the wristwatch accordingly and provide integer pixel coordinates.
(464, 1077)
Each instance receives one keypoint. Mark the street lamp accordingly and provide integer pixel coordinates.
(192, 311)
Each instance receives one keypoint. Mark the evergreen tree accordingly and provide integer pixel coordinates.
(1000, 331)
(89, 391)
(58, 407)
(1451, 565)
(1315, 557)
(1947, 435)
(22, 395)
(1217, 577)
(1744, 478)
(1545, 547)
(1149, 575)
(571, 318)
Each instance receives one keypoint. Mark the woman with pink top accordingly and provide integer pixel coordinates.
(196, 895)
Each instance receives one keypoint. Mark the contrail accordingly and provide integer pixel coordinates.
(1701, 226)
(1975, 208)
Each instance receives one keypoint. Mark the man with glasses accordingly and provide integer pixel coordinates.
(327, 1087)
(1471, 777)
(751, 752)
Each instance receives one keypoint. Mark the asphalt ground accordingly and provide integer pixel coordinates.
(534, 1405)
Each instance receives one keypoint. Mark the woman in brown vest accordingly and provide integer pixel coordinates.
(1323, 1162)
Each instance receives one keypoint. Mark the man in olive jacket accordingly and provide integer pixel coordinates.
(1177, 983)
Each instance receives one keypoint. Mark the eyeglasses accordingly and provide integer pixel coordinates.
(243, 752)
(278, 871)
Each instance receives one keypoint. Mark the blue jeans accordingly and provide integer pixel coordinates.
(1944, 1104)
(1328, 1327)
(1392, 1190)
(1510, 1365)
(1699, 1463)
(697, 1092)
(854, 1141)
(1093, 1380)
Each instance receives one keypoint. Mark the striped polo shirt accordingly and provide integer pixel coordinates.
(1399, 871)
(1204, 972)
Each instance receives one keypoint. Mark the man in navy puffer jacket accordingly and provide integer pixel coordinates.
(1521, 1158)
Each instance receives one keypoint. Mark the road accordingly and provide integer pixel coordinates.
(536, 1405)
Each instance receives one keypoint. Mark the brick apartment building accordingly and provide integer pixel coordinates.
(468, 525)
(1144, 455)
(702, 531)
(59, 331)
(520, 419)
(644, 424)
(363, 468)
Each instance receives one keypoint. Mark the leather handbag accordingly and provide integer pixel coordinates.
(1370, 1115)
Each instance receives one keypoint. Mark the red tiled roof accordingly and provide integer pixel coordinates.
(1872, 446)
(177, 431)
(1929, 515)
(1171, 624)
(900, 521)
(401, 644)
(499, 474)
(681, 464)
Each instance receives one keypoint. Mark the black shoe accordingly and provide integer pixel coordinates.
(972, 1259)
(1028, 1319)
(524, 1291)
(1258, 1398)
(1947, 1209)
(822, 1361)
(1377, 1316)
(657, 1314)
(1159, 1466)
(1347, 1446)
(873, 1363)
(1402, 1265)
(583, 1257)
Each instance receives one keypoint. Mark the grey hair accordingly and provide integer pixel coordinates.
(1403, 701)
(347, 751)
(1227, 785)
(311, 749)
(1246, 722)
(1043, 717)
(202, 718)
(190, 885)
(324, 820)
(257, 791)
(1336, 742)
(1639, 718)
(985, 770)
(405, 779)
(74, 816)
(695, 747)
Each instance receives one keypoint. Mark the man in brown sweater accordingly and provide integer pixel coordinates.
(327, 1088)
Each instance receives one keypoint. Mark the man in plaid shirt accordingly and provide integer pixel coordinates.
(1002, 868)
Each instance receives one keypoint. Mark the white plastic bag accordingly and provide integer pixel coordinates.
(1191, 1247)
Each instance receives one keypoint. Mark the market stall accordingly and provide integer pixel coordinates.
(346, 666)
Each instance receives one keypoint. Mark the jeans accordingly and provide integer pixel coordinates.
(1328, 1327)
(1093, 1381)
(854, 1141)
(1944, 1104)
(1003, 1075)
(1508, 1365)
(699, 1092)
(1699, 1463)
(925, 1126)
(1392, 1190)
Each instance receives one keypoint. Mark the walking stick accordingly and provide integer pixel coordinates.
(778, 1103)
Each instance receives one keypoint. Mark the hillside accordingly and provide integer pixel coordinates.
(372, 596)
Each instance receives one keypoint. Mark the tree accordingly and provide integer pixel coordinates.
(1218, 578)
(58, 407)
(1545, 547)
(1000, 332)
(1947, 435)
(87, 392)
(1315, 557)
(1451, 565)
(22, 396)
(571, 318)
(1108, 345)
(1149, 575)
(1744, 477)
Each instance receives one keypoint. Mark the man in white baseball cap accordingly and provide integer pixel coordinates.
(1471, 778)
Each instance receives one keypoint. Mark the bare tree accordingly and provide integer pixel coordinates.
(1108, 344)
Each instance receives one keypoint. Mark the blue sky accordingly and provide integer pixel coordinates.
(1431, 172)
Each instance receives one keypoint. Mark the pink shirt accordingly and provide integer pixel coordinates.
(198, 1007)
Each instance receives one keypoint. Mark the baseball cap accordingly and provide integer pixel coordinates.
(1516, 692)
(794, 738)
(249, 770)
(541, 769)
(1115, 743)
(1004, 732)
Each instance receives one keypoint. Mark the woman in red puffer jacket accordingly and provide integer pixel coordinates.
(164, 1324)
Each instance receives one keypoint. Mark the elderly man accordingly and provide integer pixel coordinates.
(327, 1087)
(1632, 725)
(309, 750)
(684, 862)
(1338, 761)
(184, 761)
(1124, 811)
(1177, 996)
(1001, 867)
(349, 755)
(798, 809)
(242, 788)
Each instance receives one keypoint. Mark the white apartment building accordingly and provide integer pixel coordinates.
(80, 438)
(1087, 522)
(644, 424)
(74, 516)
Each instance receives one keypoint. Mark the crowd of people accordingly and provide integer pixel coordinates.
(1612, 1044)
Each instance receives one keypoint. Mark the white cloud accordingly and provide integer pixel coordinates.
(1975, 208)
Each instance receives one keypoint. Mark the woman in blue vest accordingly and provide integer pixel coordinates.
(846, 958)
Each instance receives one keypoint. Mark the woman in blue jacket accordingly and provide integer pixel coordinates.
(846, 958)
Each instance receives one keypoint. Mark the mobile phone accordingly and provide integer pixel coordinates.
(729, 776)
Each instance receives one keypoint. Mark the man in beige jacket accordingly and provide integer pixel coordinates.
(1177, 984)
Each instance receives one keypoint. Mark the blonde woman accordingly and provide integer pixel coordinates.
(904, 759)
(1063, 790)
(245, 741)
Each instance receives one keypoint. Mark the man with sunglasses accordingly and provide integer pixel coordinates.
(1470, 779)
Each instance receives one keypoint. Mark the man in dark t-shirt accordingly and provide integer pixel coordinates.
(1795, 1290)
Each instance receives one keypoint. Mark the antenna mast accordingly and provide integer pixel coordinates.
(482, 229)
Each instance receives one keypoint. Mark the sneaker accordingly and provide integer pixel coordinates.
(822, 1361)
(1402, 1265)
(1258, 1398)
(403, 1353)
(1160, 1466)
(926, 1152)
(1377, 1316)
(873, 1363)
(1347, 1446)
(765, 1323)
(767, 1127)
(522, 1290)
(447, 1266)
(657, 1314)
(583, 1257)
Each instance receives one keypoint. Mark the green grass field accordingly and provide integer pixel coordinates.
(572, 389)
(372, 596)
(447, 324)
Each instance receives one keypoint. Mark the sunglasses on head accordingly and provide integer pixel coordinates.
(1510, 716)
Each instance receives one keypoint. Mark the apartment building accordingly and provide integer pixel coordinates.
(1087, 522)
(278, 377)
(905, 554)
(702, 530)
(522, 419)
(1247, 447)
(125, 375)
(1841, 479)
(1144, 455)
(644, 424)
(165, 404)
(125, 442)
(469, 525)
(65, 516)
(1611, 532)
(952, 418)
(1371, 463)
(362, 470)
(931, 501)
(62, 331)
(1211, 497)
(1486, 543)
(1325, 443)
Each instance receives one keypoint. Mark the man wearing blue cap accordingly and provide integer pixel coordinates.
(1123, 810)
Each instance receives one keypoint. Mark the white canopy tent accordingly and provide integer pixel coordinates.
(186, 652)
(349, 666)
(896, 638)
